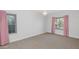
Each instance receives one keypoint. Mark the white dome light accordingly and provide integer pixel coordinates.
(45, 13)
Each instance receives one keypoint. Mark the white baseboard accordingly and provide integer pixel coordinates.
(24, 37)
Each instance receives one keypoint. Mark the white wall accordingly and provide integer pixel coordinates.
(73, 22)
(29, 23)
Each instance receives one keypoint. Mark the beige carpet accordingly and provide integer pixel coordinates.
(44, 41)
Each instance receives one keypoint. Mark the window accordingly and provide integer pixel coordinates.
(11, 23)
(59, 23)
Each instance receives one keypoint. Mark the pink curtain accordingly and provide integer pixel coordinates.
(53, 25)
(66, 28)
(3, 28)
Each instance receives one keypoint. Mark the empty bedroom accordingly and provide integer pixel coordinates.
(39, 29)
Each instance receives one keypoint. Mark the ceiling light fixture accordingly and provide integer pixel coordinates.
(45, 13)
